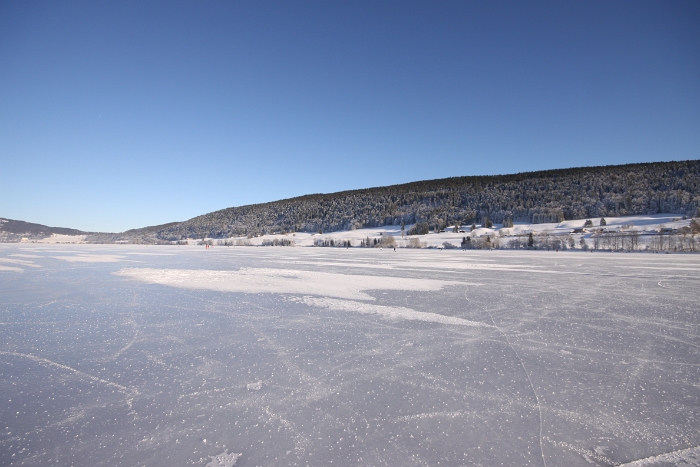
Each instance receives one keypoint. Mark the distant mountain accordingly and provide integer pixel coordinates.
(533, 197)
(149, 230)
(12, 230)
(143, 235)
(16, 227)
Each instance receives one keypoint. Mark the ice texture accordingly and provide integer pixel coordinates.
(687, 457)
(158, 356)
(224, 459)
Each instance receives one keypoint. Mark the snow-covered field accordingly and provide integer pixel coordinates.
(641, 224)
(166, 355)
(60, 238)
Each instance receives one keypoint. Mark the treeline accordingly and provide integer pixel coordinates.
(685, 239)
(533, 197)
(387, 241)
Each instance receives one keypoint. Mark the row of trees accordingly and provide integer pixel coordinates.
(330, 242)
(278, 242)
(236, 242)
(382, 242)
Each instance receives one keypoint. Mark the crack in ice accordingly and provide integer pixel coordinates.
(520, 360)
(44, 361)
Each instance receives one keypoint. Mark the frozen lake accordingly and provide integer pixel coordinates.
(163, 356)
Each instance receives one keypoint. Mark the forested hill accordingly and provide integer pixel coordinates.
(12, 226)
(546, 196)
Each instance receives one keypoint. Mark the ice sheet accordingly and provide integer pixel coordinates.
(294, 356)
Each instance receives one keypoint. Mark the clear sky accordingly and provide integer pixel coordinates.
(121, 114)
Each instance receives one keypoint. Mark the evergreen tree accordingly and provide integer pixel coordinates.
(530, 240)
(602, 221)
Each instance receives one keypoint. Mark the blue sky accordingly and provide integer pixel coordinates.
(117, 115)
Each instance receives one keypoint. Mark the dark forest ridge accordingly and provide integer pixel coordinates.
(543, 196)
(12, 226)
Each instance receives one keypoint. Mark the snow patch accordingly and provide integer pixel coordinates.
(282, 281)
(91, 258)
(256, 386)
(20, 262)
(391, 312)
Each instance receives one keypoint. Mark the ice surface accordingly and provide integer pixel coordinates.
(301, 356)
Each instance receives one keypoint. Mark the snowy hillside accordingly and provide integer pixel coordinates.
(532, 197)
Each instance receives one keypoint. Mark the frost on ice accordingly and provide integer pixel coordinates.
(224, 459)
(256, 386)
